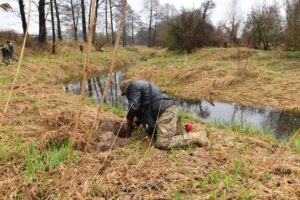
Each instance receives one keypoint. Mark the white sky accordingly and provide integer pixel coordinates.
(10, 20)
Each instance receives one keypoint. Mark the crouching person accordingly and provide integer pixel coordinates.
(5, 54)
(158, 114)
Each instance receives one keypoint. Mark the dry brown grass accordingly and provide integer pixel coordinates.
(40, 111)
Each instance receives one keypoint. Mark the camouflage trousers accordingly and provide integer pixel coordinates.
(169, 130)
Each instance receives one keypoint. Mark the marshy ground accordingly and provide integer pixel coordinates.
(36, 131)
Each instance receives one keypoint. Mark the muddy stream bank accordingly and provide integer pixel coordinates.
(278, 123)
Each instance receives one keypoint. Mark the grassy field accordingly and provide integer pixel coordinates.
(245, 76)
(36, 131)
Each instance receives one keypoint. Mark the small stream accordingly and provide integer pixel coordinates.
(278, 123)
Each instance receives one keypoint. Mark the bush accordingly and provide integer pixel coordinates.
(189, 30)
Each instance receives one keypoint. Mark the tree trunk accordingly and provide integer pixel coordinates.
(132, 41)
(90, 88)
(111, 24)
(124, 36)
(74, 21)
(84, 33)
(155, 26)
(150, 25)
(23, 17)
(95, 86)
(100, 85)
(42, 22)
(106, 22)
(59, 36)
(116, 89)
(90, 10)
(53, 27)
(96, 17)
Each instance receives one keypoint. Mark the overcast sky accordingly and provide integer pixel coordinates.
(10, 20)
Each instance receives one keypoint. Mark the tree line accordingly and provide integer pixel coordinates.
(163, 25)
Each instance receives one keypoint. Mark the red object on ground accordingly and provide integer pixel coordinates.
(188, 127)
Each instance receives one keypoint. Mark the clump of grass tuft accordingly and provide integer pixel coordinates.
(36, 160)
(33, 160)
(96, 190)
(56, 155)
(9, 148)
(176, 195)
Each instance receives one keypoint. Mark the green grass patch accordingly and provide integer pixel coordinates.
(297, 144)
(34, 159)
(10, 148)
(90, 101)
(5, 80)
(290, 55)
(37, 160)
(176, 195)
(243, 127)
(117, 110)
(18, 97)
(227, 178)
(186, 116)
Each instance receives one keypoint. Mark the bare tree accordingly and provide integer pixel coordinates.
(106, 21)
(158, 16)
(42, 21)
(98, 3)
(127, 23)
(169, 11)
(75, 18)
(22, 13)
(234, 21)
(53, 27)
(263, 26)
(292, 32)
(149, 6)
(111, 22)
(84, 32)
(59, 35)
(190, 29)
(205, 8)
(133, 21)
(70, 15)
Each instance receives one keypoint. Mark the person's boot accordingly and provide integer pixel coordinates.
(200, 139)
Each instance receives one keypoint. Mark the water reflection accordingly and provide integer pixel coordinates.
(280, 124)
(95, 87)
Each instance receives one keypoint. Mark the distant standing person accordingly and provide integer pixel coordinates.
(11, 49)
(81, 48)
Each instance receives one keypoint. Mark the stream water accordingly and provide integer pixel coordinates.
(278, 123)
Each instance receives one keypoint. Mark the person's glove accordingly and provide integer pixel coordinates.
(129, 122)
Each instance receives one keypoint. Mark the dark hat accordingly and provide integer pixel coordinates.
(124, 85)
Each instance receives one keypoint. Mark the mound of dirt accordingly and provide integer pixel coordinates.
(61, 124)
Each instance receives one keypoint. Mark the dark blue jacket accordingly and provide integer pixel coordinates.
(146, 102)
(5, 52)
